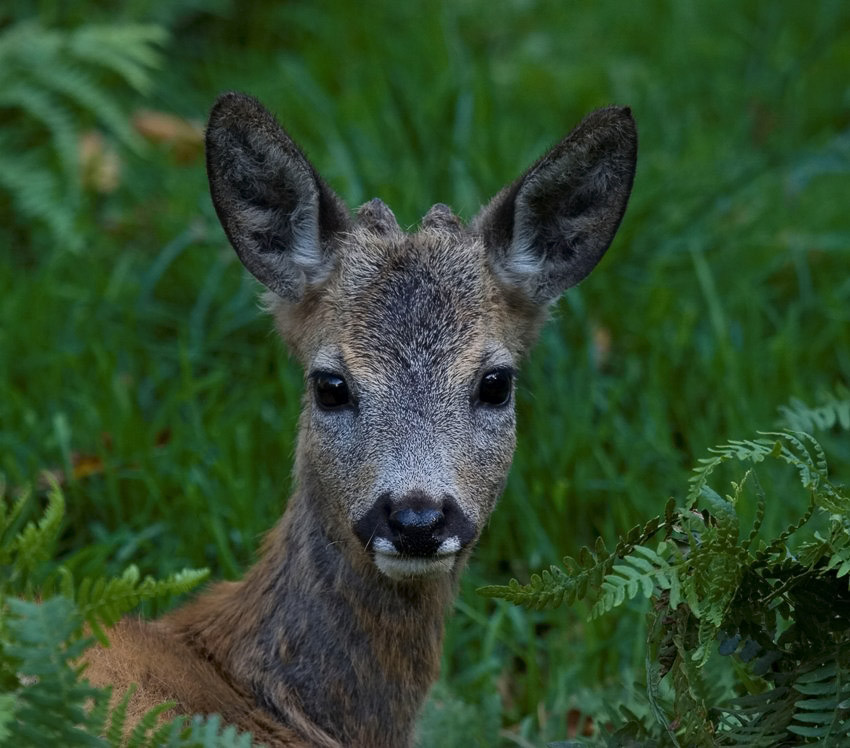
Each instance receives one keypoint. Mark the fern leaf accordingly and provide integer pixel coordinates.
(754, 720)
(43, 641)
(138, 737)
(754, 451)
(208, 732)
(820, 714)
(36, 192)
(102, 602)
(839, 551)
(544, 590)
(118, 717)
(761, 505)
(44, 108)
(584, 575)
(8, 704)
(131, 51)
(643, 571)
(834, 411)
(10, 517)
(34, 545)
(80, 87)
(51, 83)
(655, 640)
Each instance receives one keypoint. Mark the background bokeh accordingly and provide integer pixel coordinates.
(136, 368)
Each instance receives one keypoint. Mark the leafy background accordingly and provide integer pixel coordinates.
(136, 369)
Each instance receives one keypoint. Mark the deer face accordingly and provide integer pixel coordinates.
(411, 342)
(408, 425)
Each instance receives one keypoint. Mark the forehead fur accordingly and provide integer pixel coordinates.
(416, 299)
(412, 301)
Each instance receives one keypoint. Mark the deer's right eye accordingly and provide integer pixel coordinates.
(331, 390)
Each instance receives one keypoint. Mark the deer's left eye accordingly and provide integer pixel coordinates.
(496, 387)
(331, 390)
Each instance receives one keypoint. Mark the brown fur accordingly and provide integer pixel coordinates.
(334, 637)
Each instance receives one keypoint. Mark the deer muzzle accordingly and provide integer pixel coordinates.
(415, 535)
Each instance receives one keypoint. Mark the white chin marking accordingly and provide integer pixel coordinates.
(382, 545)
(399, 567)
(449, 545)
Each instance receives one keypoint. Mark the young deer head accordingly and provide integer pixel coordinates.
(410, 344)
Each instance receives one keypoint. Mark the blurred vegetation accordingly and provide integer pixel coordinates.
(136, 370)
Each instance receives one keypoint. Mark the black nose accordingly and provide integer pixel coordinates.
(409, 521)
(416, 526)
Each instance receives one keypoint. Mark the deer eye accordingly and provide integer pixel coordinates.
(496, 387)
(331, 390)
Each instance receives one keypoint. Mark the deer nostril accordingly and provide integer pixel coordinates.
(407, 520)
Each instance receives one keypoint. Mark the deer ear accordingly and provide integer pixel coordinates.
(276, 210)
(547, 230)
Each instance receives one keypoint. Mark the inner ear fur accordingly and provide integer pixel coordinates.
(276, 210)
(549, 229)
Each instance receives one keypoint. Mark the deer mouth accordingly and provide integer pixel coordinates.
(416, 535)
(398, 565)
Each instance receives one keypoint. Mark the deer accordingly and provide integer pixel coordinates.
(410, 344)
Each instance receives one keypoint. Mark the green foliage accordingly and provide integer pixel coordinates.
(774, 613)
(52, 84)
(24, 553)
(103, 601)
(553, 587)
(645, 571)
(451, 722)
(49, 701)
(833, 412)
(725, 290)
(44, 697)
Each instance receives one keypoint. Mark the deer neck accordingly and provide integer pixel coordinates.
(308, 632)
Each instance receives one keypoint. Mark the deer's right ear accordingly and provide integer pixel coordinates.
(546, 231)
(276, 210)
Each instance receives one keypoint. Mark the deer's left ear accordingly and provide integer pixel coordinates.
(547, 230)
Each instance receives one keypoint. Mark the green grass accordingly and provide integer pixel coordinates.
(726, 293)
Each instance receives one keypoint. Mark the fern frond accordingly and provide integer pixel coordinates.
(207, 731)
(35, 543)
(139, 737)
(839, 550)
(757, 720)
(131, 50)
(53, 84)
(643, 570)
(715, 565)
(44, 643)
(690, 702)
(548, 589)
(103, 601)
(750, 450)
(834, 411)
(117, 718)
(80, 86)
(44, 108)
(584, 575)
(10, 517)
(8, 703)
(824, 710)
(37, 192)
(761, 506)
